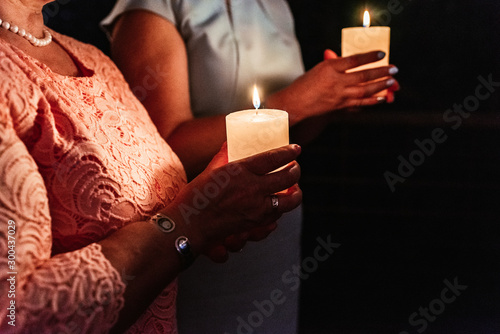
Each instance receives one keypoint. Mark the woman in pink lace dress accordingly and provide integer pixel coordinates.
(96, 218)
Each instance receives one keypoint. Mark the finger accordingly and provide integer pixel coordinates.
(284, 201)
(329, 54)
(218, 254)
(266, 162)
(390, 92)
(355, 105)
(236, 242)
(369, 89)
(261, 232)
(395, 87)
(364, 76)
(360, 59)
(390, 96)
(282, 179)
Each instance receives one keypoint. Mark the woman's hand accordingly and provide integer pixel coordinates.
(230, 203)
(327, 86)
(329, 54)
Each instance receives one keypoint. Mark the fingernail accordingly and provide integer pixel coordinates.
(381, 55)
(297, 147)
(381, 99)
(393, 70)
(390, 82)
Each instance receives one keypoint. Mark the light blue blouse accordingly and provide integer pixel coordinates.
(228, 54)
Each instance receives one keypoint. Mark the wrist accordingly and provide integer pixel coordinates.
(182, 244)
(279, 100)
(186, 228)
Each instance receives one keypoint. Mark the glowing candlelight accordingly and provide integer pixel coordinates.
(366, 19)
(256, 130)
(365, 39)
(256, 98)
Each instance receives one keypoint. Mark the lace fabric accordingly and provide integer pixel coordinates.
(79, 159)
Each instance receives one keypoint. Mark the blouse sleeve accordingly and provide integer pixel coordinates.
(73, 292)
(164, 8)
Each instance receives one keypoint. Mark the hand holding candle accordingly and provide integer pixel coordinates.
(348, 82)
(357, 40)
(256, 130)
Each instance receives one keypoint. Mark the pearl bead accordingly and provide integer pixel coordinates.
(47, 37)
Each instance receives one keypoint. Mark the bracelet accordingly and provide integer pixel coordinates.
(165, 224)
(182, 244)
(184, 249)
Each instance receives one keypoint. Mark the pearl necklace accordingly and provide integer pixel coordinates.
(47, 37)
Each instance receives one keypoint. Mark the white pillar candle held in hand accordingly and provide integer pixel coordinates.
(256, 130)
(365, 39)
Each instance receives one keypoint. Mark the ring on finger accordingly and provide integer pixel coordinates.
(274, 201)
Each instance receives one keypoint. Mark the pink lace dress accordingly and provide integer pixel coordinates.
(79, 159)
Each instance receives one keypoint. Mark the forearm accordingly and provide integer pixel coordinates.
(286, 99)
(147, 260)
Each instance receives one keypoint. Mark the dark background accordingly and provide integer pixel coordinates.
(397, 247)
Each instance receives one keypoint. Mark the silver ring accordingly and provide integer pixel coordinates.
(274, 201)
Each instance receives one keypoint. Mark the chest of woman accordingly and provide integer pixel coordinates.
(102, 160)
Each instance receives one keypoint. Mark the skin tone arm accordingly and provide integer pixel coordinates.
(194, 140)
(158, 45)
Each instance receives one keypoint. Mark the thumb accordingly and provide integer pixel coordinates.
(329, 54)
(220, 159)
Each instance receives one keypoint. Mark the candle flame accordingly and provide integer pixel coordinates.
(256, 98)
(366, 19)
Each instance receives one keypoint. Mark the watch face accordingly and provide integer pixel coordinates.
(166, 224)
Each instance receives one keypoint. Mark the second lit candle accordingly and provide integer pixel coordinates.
(256, 130)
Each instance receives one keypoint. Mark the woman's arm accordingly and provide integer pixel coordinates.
(73, 290)
(238, 200)
(83, 289)
(158, 46)
(327, 87)
(156, 61)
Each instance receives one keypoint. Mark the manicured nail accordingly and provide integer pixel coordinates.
(390, 82)
(381, 99)
(393, 70)
(381, 55)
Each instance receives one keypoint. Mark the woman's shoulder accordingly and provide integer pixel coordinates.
(8, 57)
(12, 71)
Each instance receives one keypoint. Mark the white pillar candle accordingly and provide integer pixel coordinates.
(254, 131)
(365, 39)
